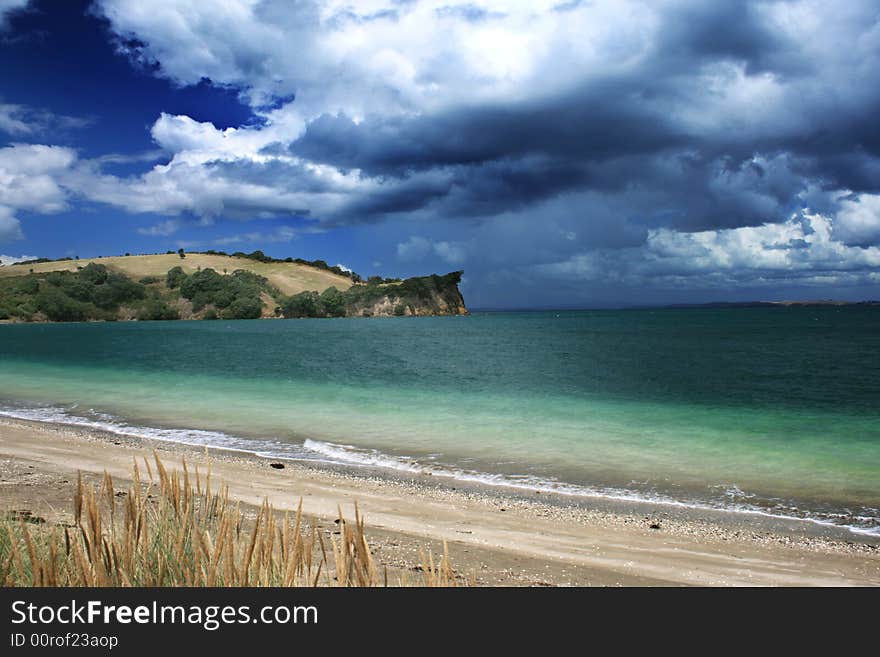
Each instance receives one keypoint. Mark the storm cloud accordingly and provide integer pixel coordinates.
(530, 141)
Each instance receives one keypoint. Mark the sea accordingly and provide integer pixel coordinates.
(762, 410)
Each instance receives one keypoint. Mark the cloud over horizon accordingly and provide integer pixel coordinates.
(675, 145)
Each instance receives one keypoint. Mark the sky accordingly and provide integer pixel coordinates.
(562, 153)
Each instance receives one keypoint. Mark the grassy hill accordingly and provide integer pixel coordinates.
(212, 286)
(288, 277)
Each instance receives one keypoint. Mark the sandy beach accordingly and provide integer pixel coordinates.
(495, 536)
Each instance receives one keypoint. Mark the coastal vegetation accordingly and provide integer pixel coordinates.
(259, 256)
(236, 296)
(122, 290)
(91, 293)
(413, 296)
(173, 529)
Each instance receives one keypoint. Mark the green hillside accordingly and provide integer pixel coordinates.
(211, 286)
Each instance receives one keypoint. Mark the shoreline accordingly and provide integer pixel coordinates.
(504, 536)
(396, 468)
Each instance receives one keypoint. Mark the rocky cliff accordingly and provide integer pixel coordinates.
(428, 295)
(418, 296)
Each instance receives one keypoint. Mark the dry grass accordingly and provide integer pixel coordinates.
(289, 278)
(174, 530)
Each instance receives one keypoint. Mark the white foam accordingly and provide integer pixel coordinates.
(354, 456)
(196, 437)
(312, 450)
(373, 458)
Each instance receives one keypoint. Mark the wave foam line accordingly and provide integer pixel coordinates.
(373, 458)
(195, 437)
(319, 451)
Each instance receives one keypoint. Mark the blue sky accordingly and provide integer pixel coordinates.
(560, 153)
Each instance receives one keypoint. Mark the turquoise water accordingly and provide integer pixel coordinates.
(776, 409)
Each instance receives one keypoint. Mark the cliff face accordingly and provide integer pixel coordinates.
(423, 296)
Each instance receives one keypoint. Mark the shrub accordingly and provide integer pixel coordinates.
(238, 294)
(304, 304)
(55, 278)
(332, 302)
(244, 308)
(259, 256)
(79, 290)
(157, 310)
(93, 292)
(27, 285)
(201, 283)
(174, 277)
(223, 298)
(59, 307)
(94, 273)
(117, 289)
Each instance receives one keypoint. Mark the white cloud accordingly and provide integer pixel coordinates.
(416, 248)
(802, 249)
(382, 56)
(452, 252)
(198, 142)
(12, 120)
(21, 120)
(29, 180)
(209, 190)
(385, 56)
(279, 235)
(858, 220)
(7, 6)
(10, 226)
(214, 172)
(11, 260)
(163, 229)
(130, 158)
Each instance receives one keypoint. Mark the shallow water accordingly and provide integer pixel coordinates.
(770, 409)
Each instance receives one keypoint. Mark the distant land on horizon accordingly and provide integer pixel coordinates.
(672, 306)
(786, 304)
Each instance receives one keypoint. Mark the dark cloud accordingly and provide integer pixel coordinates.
(591, 124)
(640, 134)
(599, 146)
(702, 31)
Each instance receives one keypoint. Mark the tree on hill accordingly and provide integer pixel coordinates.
(174, 277)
